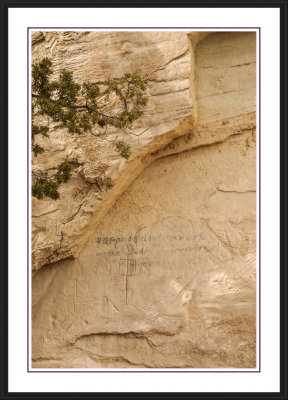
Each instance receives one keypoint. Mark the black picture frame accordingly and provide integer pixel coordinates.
(4, 360)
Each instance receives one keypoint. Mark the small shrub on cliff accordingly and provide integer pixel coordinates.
(48, 185)
(123, 148)
(81, 108)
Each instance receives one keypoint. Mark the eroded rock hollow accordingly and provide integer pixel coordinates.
(151, 262)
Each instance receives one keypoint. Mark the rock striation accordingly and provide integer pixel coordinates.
(163, 58)
(151, 262)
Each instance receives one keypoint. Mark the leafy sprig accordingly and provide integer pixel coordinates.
(90, 107)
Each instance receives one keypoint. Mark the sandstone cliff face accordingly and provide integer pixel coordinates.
(61, 228)
(158, 253)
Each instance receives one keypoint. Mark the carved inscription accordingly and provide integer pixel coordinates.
(127, 268)
(116, 241)
(129, 274)
(142, 244)
(68, 306)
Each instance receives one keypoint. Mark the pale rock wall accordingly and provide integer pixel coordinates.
(60, 228)
(165, 276)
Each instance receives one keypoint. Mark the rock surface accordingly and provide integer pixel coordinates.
(159, 253)
(163, 58)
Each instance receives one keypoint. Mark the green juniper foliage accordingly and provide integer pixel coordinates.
(123, 148)
(45, 185)
(81, 108)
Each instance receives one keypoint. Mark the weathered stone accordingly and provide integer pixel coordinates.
(164, 246)
(163, 58)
